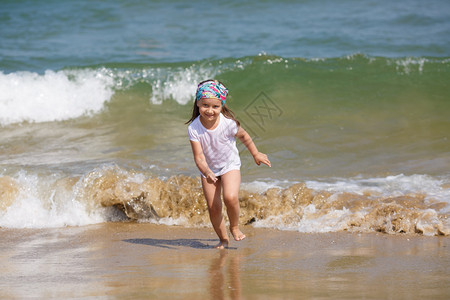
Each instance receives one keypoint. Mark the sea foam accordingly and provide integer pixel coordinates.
(179, 85)
(45, 202)
(68, 94)
(394, 204)
(52, 96)
(389, 186)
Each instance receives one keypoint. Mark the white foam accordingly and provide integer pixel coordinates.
(69, 94)
(408, 65)
(393, 186)
(30, 212)
(168, 221)
(41, 203)
(53, 96)
(260, 186)
(334, 220)
(179, 85)
(311, 221)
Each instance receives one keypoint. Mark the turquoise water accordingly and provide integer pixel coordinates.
(350, 98)
(50, 34)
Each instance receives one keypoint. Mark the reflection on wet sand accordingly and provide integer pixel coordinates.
(142, 261)
(224, 274)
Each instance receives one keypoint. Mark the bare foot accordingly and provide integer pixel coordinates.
(222, 245)
(237, 233)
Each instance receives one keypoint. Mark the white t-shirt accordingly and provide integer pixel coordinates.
(219, 144)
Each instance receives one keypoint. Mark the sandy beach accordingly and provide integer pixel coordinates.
(146, 261)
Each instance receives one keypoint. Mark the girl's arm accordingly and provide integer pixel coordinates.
(248, 142)
(200, 161)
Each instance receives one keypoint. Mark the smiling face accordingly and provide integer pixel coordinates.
(209, 109)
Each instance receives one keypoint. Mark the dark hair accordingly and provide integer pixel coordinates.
(228, 113)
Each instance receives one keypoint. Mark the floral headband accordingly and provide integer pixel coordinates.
(211, 89)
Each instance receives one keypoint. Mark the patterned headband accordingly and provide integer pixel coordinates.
(212, 89)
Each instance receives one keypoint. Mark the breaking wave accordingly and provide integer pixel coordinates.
(84, 91)
(417, 204)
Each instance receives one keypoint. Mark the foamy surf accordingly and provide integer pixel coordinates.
(52, 96)
(39, 201)
(389, 186)
(179, 84)
(68, 94)
(394, 204)
(112, 193)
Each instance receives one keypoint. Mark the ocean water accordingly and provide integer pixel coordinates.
(349, 99)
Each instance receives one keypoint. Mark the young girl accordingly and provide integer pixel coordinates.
(212, 132)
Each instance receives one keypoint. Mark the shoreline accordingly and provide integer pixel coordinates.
(140, 260)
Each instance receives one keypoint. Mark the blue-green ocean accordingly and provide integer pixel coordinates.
(349, 99)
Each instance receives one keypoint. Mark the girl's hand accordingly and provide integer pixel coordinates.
(210, 177)
(261, 158)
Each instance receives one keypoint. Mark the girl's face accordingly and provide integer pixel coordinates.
(209, 109)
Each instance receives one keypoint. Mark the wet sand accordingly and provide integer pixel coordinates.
(145, 261)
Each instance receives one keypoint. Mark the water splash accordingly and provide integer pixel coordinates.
(112, 193)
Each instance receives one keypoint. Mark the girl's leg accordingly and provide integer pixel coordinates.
(214, 203)
(231, 182)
